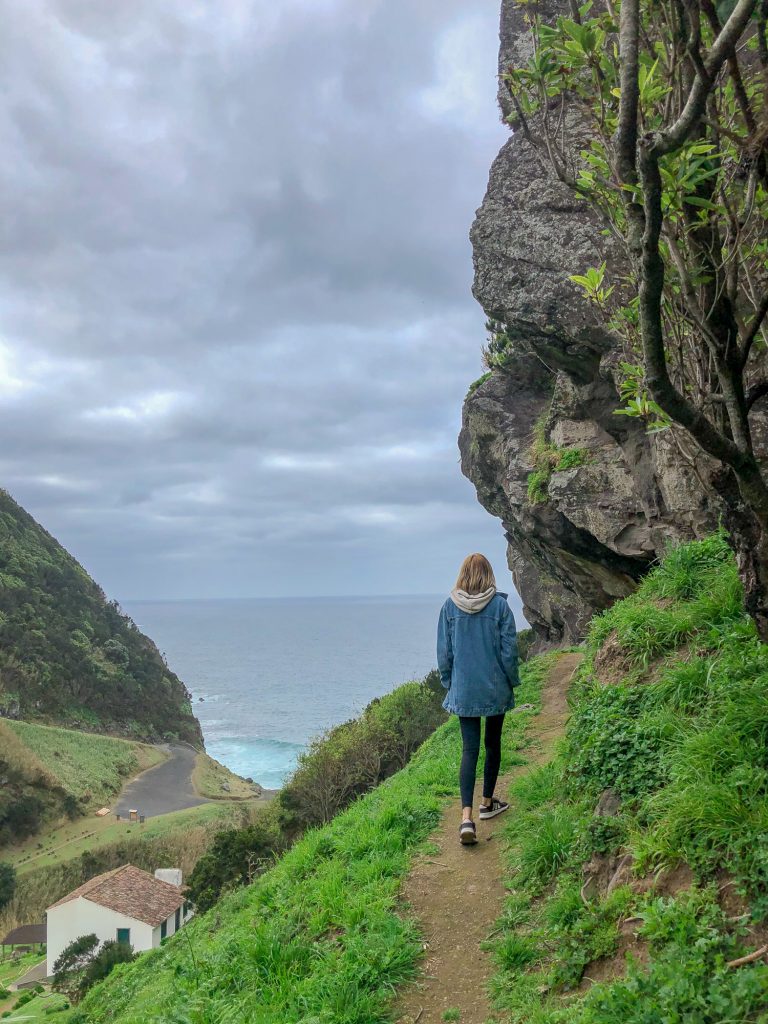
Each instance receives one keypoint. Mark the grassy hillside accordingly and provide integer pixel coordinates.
(69, 656)
(90, 768)
(215, 781)
(638, 860)
(51, 773)
(318, 938)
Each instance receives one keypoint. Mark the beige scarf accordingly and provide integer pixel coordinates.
(472, 602)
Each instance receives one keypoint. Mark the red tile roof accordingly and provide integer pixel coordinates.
(130, 891)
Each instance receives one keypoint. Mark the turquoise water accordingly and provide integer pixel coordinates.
(274, 673)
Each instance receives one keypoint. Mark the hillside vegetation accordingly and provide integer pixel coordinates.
(90, 768)
(180, 839)
(319, 937)
(69, 656)
(639, 858)
(49, 773)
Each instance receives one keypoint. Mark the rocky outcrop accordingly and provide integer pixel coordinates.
(602, 522)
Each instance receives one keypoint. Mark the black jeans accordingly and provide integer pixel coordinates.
(470, 736)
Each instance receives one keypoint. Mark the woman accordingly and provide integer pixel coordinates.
(477, 658)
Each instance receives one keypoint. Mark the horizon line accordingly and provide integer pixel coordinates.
(286, 597)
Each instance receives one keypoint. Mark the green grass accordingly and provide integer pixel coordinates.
(10, 970)
(319, 937)
(681, 738)
(549, 458)
(73, 840)
(91, 768)
(44, 1007)
(210, 776)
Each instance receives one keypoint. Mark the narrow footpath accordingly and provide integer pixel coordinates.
(457, 893)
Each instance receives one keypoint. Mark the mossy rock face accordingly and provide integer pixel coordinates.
(71, 657)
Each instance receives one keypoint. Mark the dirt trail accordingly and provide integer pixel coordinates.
(458, 893)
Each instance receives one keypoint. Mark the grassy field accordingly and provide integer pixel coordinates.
(74, 838)
(91, 768)
(210, 777)
(10, 969)
(45, 1006)
(669, 715)
(319, 937)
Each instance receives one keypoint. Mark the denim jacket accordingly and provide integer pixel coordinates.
(477, 658)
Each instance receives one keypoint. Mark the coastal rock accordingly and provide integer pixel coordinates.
(603, 521)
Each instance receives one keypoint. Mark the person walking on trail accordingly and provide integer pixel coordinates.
(477, 659)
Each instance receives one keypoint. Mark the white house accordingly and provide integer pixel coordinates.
(126, 904)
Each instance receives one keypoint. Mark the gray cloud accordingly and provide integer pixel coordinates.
(234, 274)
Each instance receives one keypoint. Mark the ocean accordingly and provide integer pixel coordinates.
(268, 675)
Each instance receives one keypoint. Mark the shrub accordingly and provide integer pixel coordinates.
(7, 883)
(103, 962)
(499, 350)
(357, 755)
(236, 857)
(346, 762)
(614, 742)
(70, 966)
(525, 641)
(478, 383)
(116, 652)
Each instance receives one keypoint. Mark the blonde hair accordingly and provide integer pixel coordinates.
(475, 575)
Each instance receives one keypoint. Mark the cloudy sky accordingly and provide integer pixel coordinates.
(236, 324)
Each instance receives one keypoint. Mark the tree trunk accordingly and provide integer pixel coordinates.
(749, 540)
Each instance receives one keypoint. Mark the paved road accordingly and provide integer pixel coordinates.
(33, 976)
(164, 788)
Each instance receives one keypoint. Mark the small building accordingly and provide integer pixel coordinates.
(26, 936)
(127, 904)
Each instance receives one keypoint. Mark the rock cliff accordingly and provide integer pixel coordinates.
(611, 496)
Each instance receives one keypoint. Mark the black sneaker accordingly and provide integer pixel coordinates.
(495, 807)
(468, 833)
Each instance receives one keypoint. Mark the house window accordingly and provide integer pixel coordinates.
(163, 929)
(177, 922)
(124, 935)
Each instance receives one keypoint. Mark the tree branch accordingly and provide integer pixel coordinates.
(695, 105)
(753, 330)
(625, 140)
(651, 290)
(749, 958)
